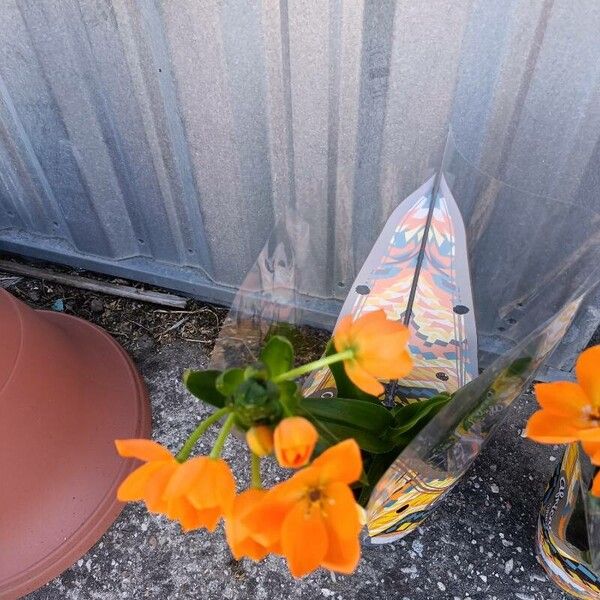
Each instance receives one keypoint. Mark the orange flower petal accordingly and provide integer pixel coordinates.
(544, 427)
(592, 449)
(134, 486)
(294, 439)
(362, 379)
(342, 555)
(562, 398)
(589, 434)
(341, 513)
(215, 487)
(341, 337)
(142, 449)
(155, 488)
(238, 535)
(587, 369)
(596, 485)
(374, 322)
(393, 333)
(180, 509)
(209, 517)
(379, 346)
(303, 539)
(266, 518)
(341, 462)
(396, 366)
(185, 477)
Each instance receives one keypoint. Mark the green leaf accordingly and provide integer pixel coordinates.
(338, 419)
(518, 366)
(256, 401)
(369, 441)
(277, 355)
(410, 419)
(256, 371)
(229, 381)
(345, 387)
(289, 395)
(202, 384)
(362, 414)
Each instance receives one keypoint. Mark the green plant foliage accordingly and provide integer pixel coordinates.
(369, 441)
(518, 366)
(337, 419)
(228, 381)
(277, 355)
(354, 413)
(289, 397)
(256, 402)
(255, 399)
(202, 384)
(411, 418)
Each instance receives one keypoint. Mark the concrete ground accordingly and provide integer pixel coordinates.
(478, 544)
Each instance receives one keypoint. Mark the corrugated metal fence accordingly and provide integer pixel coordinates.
(159, 140)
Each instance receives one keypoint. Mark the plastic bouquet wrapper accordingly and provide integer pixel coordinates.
(568, 531)
(479, 330)
(458, 338)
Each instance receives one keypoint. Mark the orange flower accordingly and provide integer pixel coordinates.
(379, 346)
(196, 493)
(260, 440)
(313, 515)
(148, 482)
(596, 485)
(295, 440)
(237, 533)
(200, 493)
(570, 412)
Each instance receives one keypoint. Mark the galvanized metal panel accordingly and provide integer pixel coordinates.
(160, 139)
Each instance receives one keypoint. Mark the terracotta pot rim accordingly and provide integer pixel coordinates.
(4, 382)
(108, 507)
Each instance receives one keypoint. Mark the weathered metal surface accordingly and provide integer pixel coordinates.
(160, 140)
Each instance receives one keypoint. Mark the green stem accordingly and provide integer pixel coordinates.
(187, 448)
(255, 480)
(225, 430)
(313, 366)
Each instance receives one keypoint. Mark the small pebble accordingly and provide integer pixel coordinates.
(494, 488)
(96, 305)
(145, 342)
(58, 305)
(418, 547)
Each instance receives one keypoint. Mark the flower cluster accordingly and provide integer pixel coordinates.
(197, 492)
(570, 411)
(316, 501)
(311, 519)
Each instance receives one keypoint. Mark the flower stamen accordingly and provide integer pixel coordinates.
(314, 495)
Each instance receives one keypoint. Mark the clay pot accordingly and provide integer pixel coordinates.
(67, 391)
